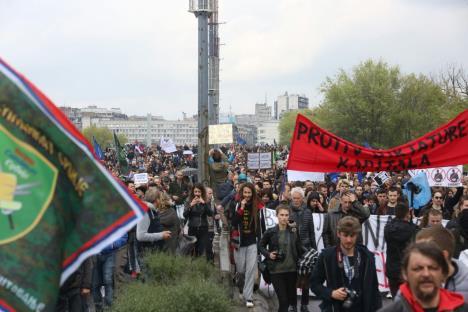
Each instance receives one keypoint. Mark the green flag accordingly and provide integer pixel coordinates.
(121, 155)
(58, 204)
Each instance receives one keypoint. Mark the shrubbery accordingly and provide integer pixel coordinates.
(179, 284)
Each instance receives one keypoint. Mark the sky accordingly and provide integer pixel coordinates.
(141, 55)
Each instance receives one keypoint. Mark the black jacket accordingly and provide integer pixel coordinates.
(305, 224)
(236, 220)
(447, 208)
(327, 269)
(398, 233)
(81, 278)
(197, 215)
(180, 191)
(461, 236)
(271, 239)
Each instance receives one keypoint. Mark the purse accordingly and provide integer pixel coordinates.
(263, 268)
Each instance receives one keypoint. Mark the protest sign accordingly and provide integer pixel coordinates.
(58, 204)
(381, 178)
(167, 145)
(442, 176)
(259, 160)
(220, 134)
(314, 149)
(140, 178)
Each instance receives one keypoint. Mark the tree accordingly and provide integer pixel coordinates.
(288, 121)
(103, 136)
(453, 81)
(378, 105)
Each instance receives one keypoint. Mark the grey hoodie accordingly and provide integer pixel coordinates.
(459, 281)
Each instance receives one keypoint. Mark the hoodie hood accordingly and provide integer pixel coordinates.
(448, 300)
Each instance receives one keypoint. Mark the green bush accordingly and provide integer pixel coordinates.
(179, 284)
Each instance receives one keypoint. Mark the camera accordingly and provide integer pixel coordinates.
(280, 256)
(350, 299)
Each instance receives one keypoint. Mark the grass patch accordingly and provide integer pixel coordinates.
(179, 284)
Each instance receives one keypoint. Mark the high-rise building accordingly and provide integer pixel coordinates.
(268, 132)
(286, 102)
(262, 111)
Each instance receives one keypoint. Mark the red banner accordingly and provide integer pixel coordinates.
(314, 149)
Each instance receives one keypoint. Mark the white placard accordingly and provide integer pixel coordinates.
(220, 134)
(140, 178)
(381, 177)
(259, 160)
(167, 145)
(442, 176)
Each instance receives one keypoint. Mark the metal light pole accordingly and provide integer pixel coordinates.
(202, 10)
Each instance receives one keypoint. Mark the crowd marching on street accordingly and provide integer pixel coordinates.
(424, 266)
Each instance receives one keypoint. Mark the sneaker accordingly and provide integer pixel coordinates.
(388, 296)
(292, 309)
(304, 308)
(249, 304)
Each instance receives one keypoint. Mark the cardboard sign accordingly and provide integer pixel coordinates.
(140, 178)
(220, 134)
(259, 160)
(442, 176)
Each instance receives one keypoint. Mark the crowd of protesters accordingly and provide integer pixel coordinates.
(422, 267)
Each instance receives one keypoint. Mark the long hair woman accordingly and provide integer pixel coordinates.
(196, 212)
(248, 220)
(169, 221)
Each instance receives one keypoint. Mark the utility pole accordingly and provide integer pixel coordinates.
(213, 65)
(202, 10)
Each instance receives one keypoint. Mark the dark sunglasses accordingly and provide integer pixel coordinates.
(437, 197)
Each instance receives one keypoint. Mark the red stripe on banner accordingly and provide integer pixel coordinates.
(5, 307)
(96, 238)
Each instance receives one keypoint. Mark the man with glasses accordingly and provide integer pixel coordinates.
(445, 206)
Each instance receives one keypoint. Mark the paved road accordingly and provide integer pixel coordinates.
(314, 304)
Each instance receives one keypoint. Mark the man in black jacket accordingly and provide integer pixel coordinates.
(398, 233)
(350, 273)
(75, 293)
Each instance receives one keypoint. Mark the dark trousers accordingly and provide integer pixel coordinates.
(209, 247)
(201, 233)
(70, 302)
(285, 288)
(394, 284)
(305, 297)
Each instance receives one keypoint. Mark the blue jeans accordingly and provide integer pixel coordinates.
(103, 275)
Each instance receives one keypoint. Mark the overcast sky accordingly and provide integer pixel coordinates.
(141, 55)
